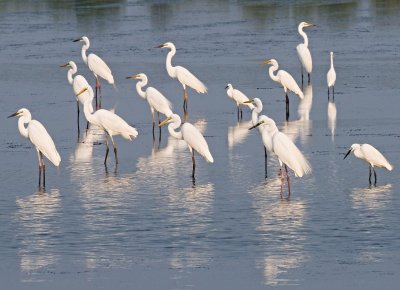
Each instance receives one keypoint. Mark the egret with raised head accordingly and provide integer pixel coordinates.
(331, 78)
(304, 52)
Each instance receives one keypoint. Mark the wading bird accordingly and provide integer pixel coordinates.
(39, 137)
(192, 137)
(97, 66)
(157, 101)
(372, 156)
(239, 98)
(285, 79)
(331, 78)
(184, 76)
(287, 152)
(111, 123)
(303, 52)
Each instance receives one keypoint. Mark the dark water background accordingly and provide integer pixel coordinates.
(144, 225)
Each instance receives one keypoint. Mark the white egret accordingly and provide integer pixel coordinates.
(157, 101)
(331, 78)
(192, 137)
(40, 138)
(111, 123)
(285, 79)
(239, 98)
(371, 155)
(78, 83)
(287, 152)
(97, 66)
(184, 76)
(303, 52)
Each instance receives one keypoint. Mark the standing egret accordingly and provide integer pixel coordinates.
(79, 83)
(97, 66)
(192, 137)
(331, 78)
(239, 98)
(157, 101)
(184, 76)
(111, 123)
(39, 137)
(372, 156)
(303, 52)
(287, 152)
(286, 80)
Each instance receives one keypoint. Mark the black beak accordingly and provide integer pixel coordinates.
(13, 115)
(348, 152)
(256, 125)
(76, 40)
(159, 46)
(226, 87)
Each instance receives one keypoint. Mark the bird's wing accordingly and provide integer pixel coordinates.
(158, 101)
(100, 68)
(186, 77)
(78, 85)
(43, 142)
(373, 156)
(241, 98)
(331, 77)
(288, 81)
(195, 139)
(114, 124)
(289, 154)
(305, 57)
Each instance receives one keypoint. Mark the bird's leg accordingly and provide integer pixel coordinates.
(185, 116)
(185, 99)
(40, 167)
(43, 172)
(115, 149)
(287, 107)
(194, 164)
(99, 93)
(282, 179)
(95, 94)
(152, 119)
(287, 179)
(108, 149)
(374, 175)
(301, 75)
(333, 92)
(241, 114)
(77, 107)
(370, 175)
(265, 160)
(328, 93)
(309, 78)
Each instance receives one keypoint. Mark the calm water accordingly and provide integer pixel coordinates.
(145, 223)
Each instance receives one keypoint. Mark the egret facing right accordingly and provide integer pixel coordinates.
(39, 137)
(303, 52)
(372, 156)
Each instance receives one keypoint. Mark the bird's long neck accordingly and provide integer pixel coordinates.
(88, 109)
(171, 129)
(84, 56)
(21, 126)
(230, 92)
(331, 61)
(302, 33)
(271, 71)
(168, 63)
(71, 72)
(139, 86)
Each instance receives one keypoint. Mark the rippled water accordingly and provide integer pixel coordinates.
(145, 222)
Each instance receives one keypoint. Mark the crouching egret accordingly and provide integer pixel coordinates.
(287, 152)
(331, 78)
(191, 135)
(97, 66)
(371, 155)
(39, 137)
(110, 123)
(79, 83)
(303, 52)
(285, 79)
(239, 98)
(157, 101)
(184, 76)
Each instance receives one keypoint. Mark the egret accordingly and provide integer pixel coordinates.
(303, 52)
(192, 137)
(39, 137)
(97, 66)
(371, 155)
(285, 79)
(157, 101)
(331, 78)
(110, 123)
(184, 76)
(287, 152)
(79, 83)
(238, 97)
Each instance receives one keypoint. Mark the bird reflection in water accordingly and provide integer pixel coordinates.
(238, 133)
(332, 119)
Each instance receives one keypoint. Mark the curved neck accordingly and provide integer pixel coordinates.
(257, 110)
(230, 92)
(71, 72)
(271, 72)
(21, 126)
(139, 86)
(302, 33)
(88, 109)
(168, 63)
(171, 129)
(84, 56)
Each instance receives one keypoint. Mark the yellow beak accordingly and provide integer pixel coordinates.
(249, 101)
(309, 24)
(64, 65)
(266, 61)
(164, 122)
(81, 92)
(133, 77)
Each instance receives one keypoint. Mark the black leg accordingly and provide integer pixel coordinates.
(265, 162)
(44, 173)
(374, 176)
(241, 114)
(287, 107)
(108, 149)
(194, 163)
(369, 175)
(77, 108)
(287, 179)
(328, 93)
(116, 156)
(309, 78)
(333, 92)
(95, 94)
(238, 113)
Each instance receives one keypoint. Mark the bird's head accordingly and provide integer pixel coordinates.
(82, 39)
(270, 61)
(137, 76)
(331, 53)
(228, 86)
(69, 64)
(174, 118)
(306, 24)
(165, 121)
(169, 45)
(265, 121)
(20, 112)
(352, 148)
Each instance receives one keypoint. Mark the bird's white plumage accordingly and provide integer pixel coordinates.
(371, 155)
(304, 55)
(331, 75)
(239, 97)
(195, 140)
(100, 68)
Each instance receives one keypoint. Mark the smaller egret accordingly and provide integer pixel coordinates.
(287, 152)
(110, 123)
(303, 52)
(78, 83)
(157, 101)
(371, 155)
(184, 76)
(239, 98)
(285, 79)
(40, 138)
(97, 66)
(331, 78)
(192, 137)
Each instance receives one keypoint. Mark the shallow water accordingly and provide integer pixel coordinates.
(145, 223)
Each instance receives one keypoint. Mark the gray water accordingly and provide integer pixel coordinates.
(144, 224)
